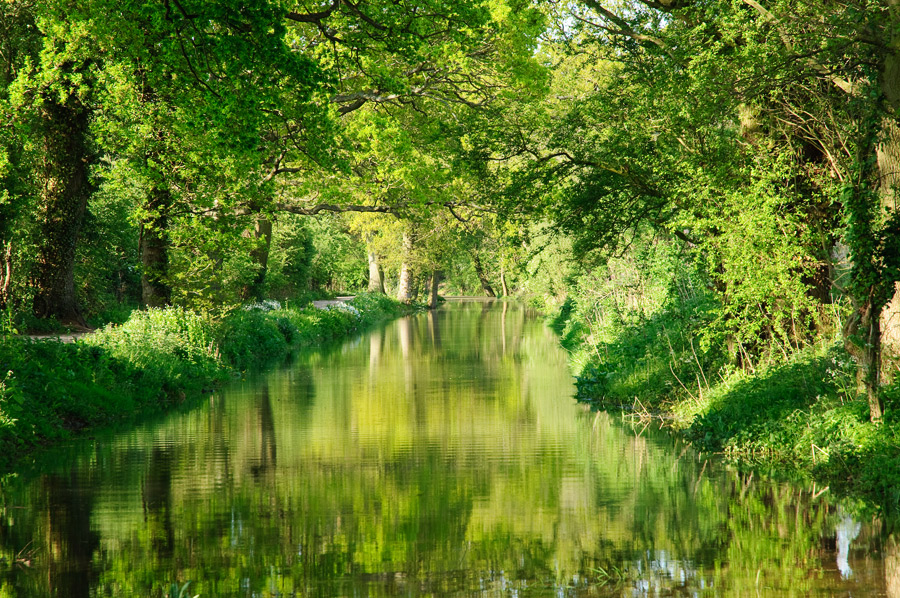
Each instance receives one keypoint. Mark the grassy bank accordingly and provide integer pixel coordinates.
(791, 413)
(155, 360)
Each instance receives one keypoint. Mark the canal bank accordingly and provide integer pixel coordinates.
(438, 455)
(158, 359)
(794, 415)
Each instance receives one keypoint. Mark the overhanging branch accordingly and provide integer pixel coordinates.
(315, 209)
(313, 17)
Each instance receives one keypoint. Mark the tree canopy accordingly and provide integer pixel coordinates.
(206, 153)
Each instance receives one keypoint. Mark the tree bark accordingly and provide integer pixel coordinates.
(870, 287)
(482, 276)
(155, 288)
(436, 277)
(376, 274)
(889, 175)
(405, 285)
(503, 284)
(864, 345)
(5, 274)
(65, 190)
(876, 184)
(888, 157)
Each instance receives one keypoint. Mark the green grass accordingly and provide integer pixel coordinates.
(651, 360)
(154, 360)
(797, 416)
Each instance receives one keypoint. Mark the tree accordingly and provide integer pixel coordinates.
(60, 92)
(19, 42)
(235, 90)
(221, 115)
(772, 114)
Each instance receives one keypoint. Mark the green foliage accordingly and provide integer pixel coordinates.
(549, 269)
(339, 262)
(12, 402)
(757, 414)
(179, 342)
(155, 359)
(252, 338)
(290, 260)
(375, 307)
(106, 264)
(800, 417)
(651, 361)
(647, 337)
(52, 388)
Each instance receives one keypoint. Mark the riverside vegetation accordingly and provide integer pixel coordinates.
(788, 412)
(156, 360)
(711, 188)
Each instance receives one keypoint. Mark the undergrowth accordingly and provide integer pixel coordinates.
(155, 359)
(796, 414)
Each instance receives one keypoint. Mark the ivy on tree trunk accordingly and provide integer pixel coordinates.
(65, 190)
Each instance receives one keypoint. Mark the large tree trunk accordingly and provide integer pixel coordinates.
(376, 274)
(888, 156)
(889, 171)
(262, 232)
(482, 275)
(405, 285)
(155, 288)
(64, 195)
(874, 193)
(870, 286)
(436, 277)
(863, 334)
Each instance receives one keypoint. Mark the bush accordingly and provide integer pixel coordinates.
(170, 344)
(252, 338)
(374, 307)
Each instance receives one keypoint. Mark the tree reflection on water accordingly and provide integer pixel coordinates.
(442, 455)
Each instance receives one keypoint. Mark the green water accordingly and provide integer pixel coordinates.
(440, 456)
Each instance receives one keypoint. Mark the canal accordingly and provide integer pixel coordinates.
(441, 455)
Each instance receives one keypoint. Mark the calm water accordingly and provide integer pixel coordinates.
(440, 456)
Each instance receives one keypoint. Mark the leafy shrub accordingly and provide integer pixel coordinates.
(252, 338)
(12, 401)
(655, 359)
(374, 307)
(287, 329)
(173, 342)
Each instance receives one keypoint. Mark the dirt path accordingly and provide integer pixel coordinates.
(329, 302)
(65, 337)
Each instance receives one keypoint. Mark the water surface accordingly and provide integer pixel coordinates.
(442, 455)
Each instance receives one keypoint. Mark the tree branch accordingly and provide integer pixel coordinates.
(842, 84)
(624, 28)
(313, 17)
